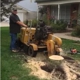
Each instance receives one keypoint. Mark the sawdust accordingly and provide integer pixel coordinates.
(35, 65)
(37, 71)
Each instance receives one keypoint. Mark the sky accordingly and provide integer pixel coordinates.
(28, 4)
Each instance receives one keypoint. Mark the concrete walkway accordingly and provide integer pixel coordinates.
(67, 35)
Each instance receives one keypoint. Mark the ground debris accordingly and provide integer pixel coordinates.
(69, 69)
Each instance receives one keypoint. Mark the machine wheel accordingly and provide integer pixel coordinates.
(31, 52)
(25, 48)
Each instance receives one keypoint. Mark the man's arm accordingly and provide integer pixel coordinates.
(21, 23)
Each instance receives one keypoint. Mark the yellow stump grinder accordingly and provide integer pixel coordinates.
(40, 39)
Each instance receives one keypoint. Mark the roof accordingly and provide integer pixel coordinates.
(20, 7)
(40, 1)
(56, 2)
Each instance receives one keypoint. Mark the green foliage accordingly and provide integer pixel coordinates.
(59, 26)
(34, 23)
(45, 19)
(24, 22)
(76, 31)
(6, 10)
(42, 10)
(74, 23)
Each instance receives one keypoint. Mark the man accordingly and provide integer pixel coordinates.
(15, 25)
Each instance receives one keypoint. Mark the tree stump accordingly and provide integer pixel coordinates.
(60, 62)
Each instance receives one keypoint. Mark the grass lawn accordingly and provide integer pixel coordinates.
(68, 44)
(11, 63)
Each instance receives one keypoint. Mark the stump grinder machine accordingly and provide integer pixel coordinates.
(34, 40)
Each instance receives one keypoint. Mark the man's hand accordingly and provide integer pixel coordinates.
(25, 26)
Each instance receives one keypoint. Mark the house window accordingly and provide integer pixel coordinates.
(65, 12)
(54, 13)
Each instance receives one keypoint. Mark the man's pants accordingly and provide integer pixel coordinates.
(13, 40)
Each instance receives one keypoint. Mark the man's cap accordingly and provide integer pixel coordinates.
(14, 9)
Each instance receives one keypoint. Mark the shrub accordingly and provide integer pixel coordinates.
(25, 22)
(60, 26)
(46, 20)
(76, 31)
(34, 23)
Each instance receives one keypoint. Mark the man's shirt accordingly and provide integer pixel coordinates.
(14, 27)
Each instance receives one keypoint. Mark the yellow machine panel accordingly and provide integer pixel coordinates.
(27, 34)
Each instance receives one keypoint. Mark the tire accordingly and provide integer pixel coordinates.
(25, 48)
(31, 52)
(19, 44)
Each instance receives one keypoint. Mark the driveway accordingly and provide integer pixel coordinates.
(4, 24)
(67, 35)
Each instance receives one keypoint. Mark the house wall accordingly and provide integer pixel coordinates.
(25, 16)
(32, 15)
(22, 15)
